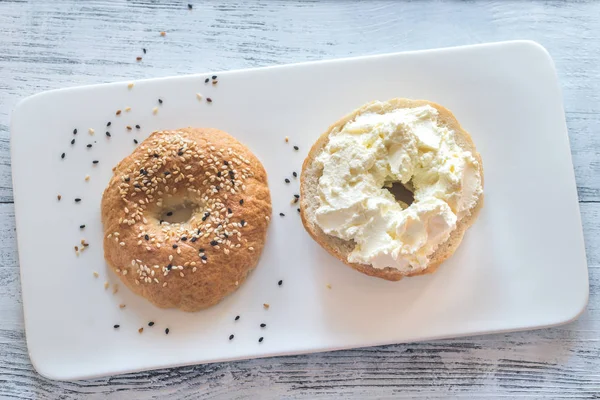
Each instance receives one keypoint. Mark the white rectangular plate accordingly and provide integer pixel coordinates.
(521, 266)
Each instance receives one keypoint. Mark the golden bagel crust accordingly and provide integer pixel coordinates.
(194, 264)
(309, 199)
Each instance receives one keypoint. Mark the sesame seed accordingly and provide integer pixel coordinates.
(59, 197)
(169, 213)
(260, 339)
(263, 325)
(108, 134)
(144, 50)
(243, 222)
(127, 109)
(208, 99)
(146, 237)
(167, 331)
(151, 323)
(121, 306)
(116, 326)
(241, 202)
(128, 127)
(237, 317)
(118, 112)
(130, 84)
(137, 127)
(174, 246)
(91, 131)
(190, 6)
(141, 330)
(206, 80)
(155, 110)
(213, 243)
(295, 174)
(74, 131)
(77, 200)
(204, 258)
(266, 306)
(198, 96)
(95, 161)
(62, 155)
(81, 226)
(281, 214)
(328, 286)
(89, 145)
(287, 180)
(231, 337)
(160, 101)
(95, 274)
(135, 141)
(73, 141)
(297, 196)
(138, 58)
(108, 123)
(298, 210)
(296, 148)
(280, 282)
(214, 77)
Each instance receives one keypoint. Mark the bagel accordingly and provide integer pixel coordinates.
(346, 208)
(193, 263)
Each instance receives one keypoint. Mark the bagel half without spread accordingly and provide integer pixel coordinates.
(345, 204)
(195, 262)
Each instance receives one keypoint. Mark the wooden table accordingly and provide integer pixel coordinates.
(54, 44)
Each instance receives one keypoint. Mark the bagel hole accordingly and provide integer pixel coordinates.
(178, 213)
(401, 192)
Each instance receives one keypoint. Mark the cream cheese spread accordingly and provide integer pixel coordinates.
(405, 145)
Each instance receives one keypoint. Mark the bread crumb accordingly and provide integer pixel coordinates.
(266, 306)
(141, 330)
(96, 274)
(121, 305)
(106, 285)
(130, 85)
(115, 288)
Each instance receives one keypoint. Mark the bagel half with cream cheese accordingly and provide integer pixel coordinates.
(345, 207)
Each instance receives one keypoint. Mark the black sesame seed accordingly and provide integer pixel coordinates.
(193, 239)
(175, 246)
(241, 202)
(108, 123)
(167, 173)
(263, 325)
(183, 239)
(159, 101)
(89, 145)
(74, 131)
(231, 337)
(135, 141)
(204, 258)
(169, 267)
(297, 196)
(281, 214)
(108, 134)
(201, 250)
(62, 155)
(226, 162)
(146, 237)
(169, 213)
(226, 236)
(167, 331)
(214, 77)
(214, 243)
(206, 80)
(151, 323)
(190, 6)
(116, 326)
(144, 50)
(143, 171)
(95, 161)
(298, 210)
(161, 221)
(219, 174)
(180, 153)
(77, 200)
(127, 179)
(243, 222)
(260, 340)
(237, 317)
(137, 127)
(209, 99)
(73, 141)
(81, 226)
(295, 174)
(280, 282)
(287, 180)
(229, 211)
(296, 148)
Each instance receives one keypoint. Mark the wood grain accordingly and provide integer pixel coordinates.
(49, 45)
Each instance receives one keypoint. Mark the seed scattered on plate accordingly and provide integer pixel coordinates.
(138, 58)
(95, 274)
(89, 146)
(287, 180)
(141, 330)
(160, 101)
(106, 285)
(260, 339)
(266, 306)
(74, 131)
(77, 200)
(130, 84)
(81, 226)
(144, 50)
(87, 178)
(281, 214)
(73, 141)
(116, 326)
(108, 134)
(167, 331)
(280, 282)
(91, 131)
(151, 323)
(121, 306)
(95, 162)
(237, 317)
(295, 174)
(287, 139)
(231, 337)
(263, 325)
(115, 288)
(135, 141)
(296, 148)
(137, 127)
(208, 99)
(190, 6)
(127, 109)
(62, 155)
(58, 197)
(118, 112)
(155, 110)
(128, 127)
(198, 96)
